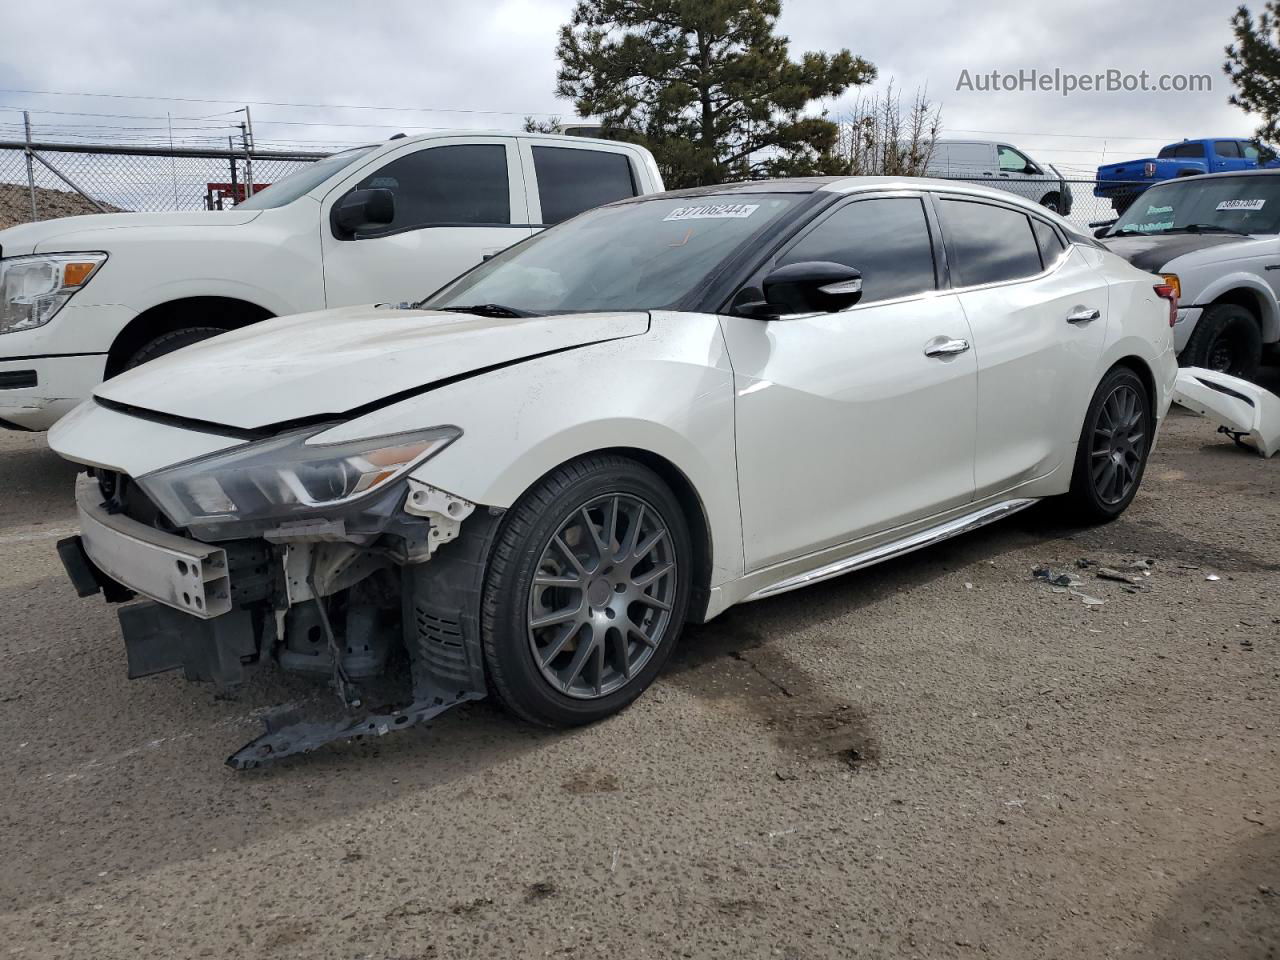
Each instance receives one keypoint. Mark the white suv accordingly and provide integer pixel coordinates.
(84, 298)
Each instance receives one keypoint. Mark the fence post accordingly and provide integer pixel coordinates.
(249, 148)
(31, 170)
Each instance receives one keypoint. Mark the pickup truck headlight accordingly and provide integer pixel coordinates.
(33, 289)
(285, 478)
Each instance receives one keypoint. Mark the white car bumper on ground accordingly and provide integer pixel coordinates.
(36, 391)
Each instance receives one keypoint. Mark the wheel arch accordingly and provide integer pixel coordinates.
(1242, 293)
(1145, 374)
(230, 313)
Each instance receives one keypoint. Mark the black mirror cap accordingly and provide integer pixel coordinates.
(361, 209)
(812, 285)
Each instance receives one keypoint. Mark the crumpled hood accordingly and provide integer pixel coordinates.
(1153, 252)
(51, 236)
(332, 362)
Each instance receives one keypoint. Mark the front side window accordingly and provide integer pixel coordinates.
(456, 185)
(641, 255)
(572, 180)
(988, 244)
(1012, 160)
(886, 239)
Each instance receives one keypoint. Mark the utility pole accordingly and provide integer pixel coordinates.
(248, 166)
(173, 165)
(31, 170)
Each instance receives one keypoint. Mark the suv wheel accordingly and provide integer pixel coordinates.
(1051, 201)
(586, 592)
(1227, 339)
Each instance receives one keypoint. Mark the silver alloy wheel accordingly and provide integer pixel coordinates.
(1119, 444)
(601, 597)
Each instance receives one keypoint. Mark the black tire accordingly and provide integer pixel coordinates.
(169, 342)
(1090, 499)
(1227, 339)
(1052, 201)
(526, 532)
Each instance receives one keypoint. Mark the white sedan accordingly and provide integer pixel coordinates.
(530, 481)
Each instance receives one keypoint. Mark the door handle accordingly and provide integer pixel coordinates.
(1083, 315)
(945, 347)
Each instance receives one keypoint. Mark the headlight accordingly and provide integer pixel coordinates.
(286, 478)
(33, 289)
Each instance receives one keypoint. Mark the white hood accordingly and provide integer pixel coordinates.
(52, 236)
(335, 361)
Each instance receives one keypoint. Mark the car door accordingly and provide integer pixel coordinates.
(566, 178)
(854, 422)
(1037, 309)
(457, 200)
(1012, 174)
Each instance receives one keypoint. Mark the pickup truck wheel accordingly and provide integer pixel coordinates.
(586, 592)
(1052, 201)
(1227, 339)
(169, 342)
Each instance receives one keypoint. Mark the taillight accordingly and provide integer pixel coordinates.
(1148, 169)
(1167, 291)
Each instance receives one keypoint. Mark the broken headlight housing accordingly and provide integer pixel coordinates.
(249, 489)
(33, 289)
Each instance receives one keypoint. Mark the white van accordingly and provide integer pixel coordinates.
(84, 298)
(1001, 166)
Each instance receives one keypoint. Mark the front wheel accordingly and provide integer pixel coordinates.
(169, 342)
(1227, 339)
(1111, 455)
(586, 592)
(1052, 201)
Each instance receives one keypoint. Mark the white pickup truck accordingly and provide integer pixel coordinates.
(84, 298)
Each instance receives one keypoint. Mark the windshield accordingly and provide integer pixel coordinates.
(1222, 204)
(643, 255)
(305, 180)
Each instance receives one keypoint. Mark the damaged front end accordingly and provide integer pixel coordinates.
(324, 563)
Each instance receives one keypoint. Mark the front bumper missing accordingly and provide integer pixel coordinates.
(184, 574)
(439, 603)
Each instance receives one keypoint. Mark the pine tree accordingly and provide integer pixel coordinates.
(1253, 64)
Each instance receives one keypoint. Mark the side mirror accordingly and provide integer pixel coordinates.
(811, 286)
(1031, 170)
(361, 209)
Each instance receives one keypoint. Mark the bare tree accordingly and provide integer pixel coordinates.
(879, 138)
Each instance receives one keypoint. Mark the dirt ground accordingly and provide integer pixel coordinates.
(942, 757)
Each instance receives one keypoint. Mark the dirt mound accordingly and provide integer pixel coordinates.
(15, 204)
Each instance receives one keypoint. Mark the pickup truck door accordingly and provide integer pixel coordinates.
(457, 200)
(564, 178)
(1227, 155)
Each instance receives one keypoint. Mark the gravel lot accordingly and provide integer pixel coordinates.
(941, 757)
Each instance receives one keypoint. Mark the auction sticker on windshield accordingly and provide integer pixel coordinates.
(1240, 205)
(713, 211)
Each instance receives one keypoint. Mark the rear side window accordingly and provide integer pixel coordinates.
(464, 184)
(1227, 148)
(1047, 239)
(886, 239)
(988, 244)
(1182, 150)
(570, 181)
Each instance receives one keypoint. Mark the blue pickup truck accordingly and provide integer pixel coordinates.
(1122, 182)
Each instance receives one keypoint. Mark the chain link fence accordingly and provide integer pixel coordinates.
(70, 179)
(1082, 202)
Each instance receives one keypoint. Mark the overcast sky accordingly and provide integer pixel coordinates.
(500, 57)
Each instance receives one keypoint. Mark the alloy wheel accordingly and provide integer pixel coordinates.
(602, 594)
(1119, 444)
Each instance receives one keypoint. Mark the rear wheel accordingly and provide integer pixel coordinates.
(1227, 339)
(169, 342)
(1052, 201)
(1111, 455)
(586, 592)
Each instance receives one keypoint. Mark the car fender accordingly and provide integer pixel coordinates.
(668, 393)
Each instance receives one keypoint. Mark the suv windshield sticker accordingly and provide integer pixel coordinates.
(1240, 205)
(1154, 211)
(713, 211)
